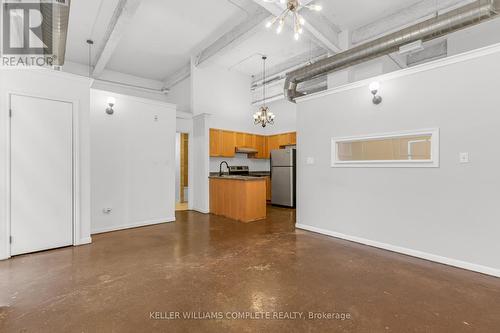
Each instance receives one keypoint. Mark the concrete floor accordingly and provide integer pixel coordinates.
(211, 264)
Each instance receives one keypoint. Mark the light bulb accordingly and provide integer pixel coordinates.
(302, 21)
(296, 36)
(280, 27)
(301, 30)
(269, 24)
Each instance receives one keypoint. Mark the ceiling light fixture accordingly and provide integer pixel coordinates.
(111, 102)
(263, 117)
(292, 7)
(374, 88)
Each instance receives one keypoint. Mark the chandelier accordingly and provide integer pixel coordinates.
(264, 117)
(292, 8)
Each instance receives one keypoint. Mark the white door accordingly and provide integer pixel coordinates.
(41, 174)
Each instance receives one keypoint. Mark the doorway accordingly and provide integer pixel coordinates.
(41, 174)
(181, 171)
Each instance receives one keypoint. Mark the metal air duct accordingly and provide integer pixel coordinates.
(438, 26)
(57, 32)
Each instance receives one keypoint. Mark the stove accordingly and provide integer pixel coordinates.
(239, 170)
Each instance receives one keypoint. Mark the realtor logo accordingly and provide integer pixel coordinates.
(27, 29)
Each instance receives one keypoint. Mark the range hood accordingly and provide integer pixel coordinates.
(246, 150)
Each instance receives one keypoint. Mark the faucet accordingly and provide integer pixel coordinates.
(220, 167)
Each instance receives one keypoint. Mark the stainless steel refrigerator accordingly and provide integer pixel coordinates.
(283, 177)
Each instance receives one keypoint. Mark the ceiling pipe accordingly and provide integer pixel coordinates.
(436, 27)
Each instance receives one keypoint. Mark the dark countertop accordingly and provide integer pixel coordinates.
(252, 173)
(245, 178)
(260, 173)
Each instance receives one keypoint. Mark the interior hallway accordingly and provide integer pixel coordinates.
(207, 263)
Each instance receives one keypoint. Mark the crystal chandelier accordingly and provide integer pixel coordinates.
(292, 7)
(264, 117)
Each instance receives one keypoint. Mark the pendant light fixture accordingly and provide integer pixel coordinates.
(292, 7)
(263, 117)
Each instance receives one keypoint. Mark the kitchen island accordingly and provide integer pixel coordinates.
(241, 198)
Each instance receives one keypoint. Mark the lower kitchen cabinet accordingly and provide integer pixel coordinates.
(268, 189)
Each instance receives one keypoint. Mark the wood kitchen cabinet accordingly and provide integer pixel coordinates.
(273, 143)
(288, 139)
(240, 139)
(260, 145)
(215, 142)
(228, 140)
(245, 140)
(268, 189)
(238, 199)
(224, 143)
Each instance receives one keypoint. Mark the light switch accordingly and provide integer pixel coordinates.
(310, 160)
(464, 158)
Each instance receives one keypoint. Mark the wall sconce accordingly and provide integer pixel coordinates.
(111, 102)
(374, 88)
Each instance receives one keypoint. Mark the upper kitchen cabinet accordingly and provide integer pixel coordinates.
(288, 139)
(215, 142)
(228, 139)
(273, 143)
(222, 143)
(245, 140)
(261, 146)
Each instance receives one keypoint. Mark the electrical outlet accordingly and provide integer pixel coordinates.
(464, 158)
(310, 161)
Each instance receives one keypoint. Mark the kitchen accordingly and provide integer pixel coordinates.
(265, 173)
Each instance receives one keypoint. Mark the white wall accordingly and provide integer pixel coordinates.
(199, 191)
(180, 95)
(60, 86)
(449, 214)
(133, 162)
(177, 167)
(286, 117)
(225, 95)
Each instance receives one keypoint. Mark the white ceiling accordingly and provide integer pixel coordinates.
(352, 14)
(88, 19)
(164, 34)
(246, 57)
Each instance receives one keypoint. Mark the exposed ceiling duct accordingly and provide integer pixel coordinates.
(57, 32)
(438, 26)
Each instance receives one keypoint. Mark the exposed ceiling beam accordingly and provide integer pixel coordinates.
(124, 12)
(317, 27)
(404, 18)
(234, 36)
(177, 77)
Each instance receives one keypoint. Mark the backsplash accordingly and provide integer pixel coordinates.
(240, 159)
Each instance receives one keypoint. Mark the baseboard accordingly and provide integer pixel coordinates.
(133, 225)
(203, 211)
(414, 253)
(84, 241)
